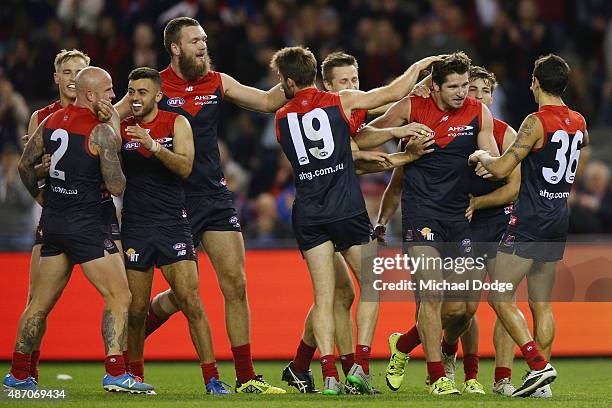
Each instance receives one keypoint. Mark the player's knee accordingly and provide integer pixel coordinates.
(190, 304)
(540, 308)
(233, 286)
(137, 314)
(455, 313)
(344, 297)
(120, 299)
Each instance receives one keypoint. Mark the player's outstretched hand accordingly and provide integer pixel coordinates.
(469, 212)
(419, 145)
(372, 156)
(104, 110)
(427, 61)
(411, 129)
(140, 135)
(475, 157)
(421, 90)
(42, 169)
(380, 231)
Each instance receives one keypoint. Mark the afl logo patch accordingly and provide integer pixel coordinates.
(131, 145)
(179, 246)
(176, 102)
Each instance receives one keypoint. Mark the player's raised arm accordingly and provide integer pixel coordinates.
(31, 155)
(374, 98)
(252, 98)
(373, 161)
(529, 134)
(103, 142)
(180, 160)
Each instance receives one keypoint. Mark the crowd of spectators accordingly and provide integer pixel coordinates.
(385, 36)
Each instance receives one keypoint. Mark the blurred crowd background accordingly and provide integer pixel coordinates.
(386, 36)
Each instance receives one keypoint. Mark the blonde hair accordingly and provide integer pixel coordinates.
(65, 55)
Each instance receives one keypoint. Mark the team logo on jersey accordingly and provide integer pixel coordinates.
(115, 228)
(567, 121)
(189, 89)
(408, 237)
(508, 209)
(454, 131)
(165, 141)
(132, 255)
(184, 214)
(206, 100)
(131, 145)
(509, 240)
(444, 118)
(223, 182)
(234, 221)
(176, 102)
(427, 234)
(109, 244)
(513, 220)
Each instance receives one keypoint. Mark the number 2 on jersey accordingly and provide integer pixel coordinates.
(565, 167)
(62, 136)
(323, 133)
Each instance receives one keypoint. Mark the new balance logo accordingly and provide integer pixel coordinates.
(129, 382)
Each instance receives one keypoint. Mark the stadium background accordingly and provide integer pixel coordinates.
(386, 36)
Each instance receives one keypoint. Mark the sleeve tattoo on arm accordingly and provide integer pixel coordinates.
(103, 137)
(521, 142)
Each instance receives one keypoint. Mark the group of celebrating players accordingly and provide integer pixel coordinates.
(158, 147)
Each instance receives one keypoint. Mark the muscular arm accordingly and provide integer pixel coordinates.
(391, 196)
(180, 161)
(103, 142)
(32, 154)
(509, 191)
(400, 87)
(393, 117)
(486, 140)
(252, 98)
(530, 133)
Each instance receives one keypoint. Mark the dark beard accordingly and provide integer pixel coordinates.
(190, 69)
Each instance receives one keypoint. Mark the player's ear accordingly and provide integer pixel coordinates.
(176, 50)
(158, 97)
(56, 78)
(328, 86)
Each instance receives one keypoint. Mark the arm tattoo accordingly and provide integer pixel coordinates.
(30, 332)
(515, 155)
(32, 154)
(108, 330)
(105, 139)
(522, 139)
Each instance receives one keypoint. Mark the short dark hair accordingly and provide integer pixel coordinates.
(553, 74)
(456, 63)
(477, 72)
(172, 31)
(146, 73)
(297, 63)
(334, 60)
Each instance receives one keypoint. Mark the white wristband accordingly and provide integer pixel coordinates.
(155, 147)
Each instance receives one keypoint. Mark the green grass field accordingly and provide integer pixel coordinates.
(581, 383)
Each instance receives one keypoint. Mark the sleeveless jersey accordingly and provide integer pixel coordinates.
(200, 102)
(72, 188)
(480, 186)
(154, 194)
(315, 135)
(42, 113)
(547, 175)
(437, 185)
(358, 118)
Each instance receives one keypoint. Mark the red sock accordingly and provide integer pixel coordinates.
(470, 366)
(243, 363)
(435, 369)
(347, 361)
(303, 357)
(328, 366)
(209, 371)
(362, 357)
(34, 364)
(449, 349)
(153, 322)
(21, 365)
(535, 359)
(502, 372)
(409, 340)
(137, 368)
(126, 360)
(115, 366)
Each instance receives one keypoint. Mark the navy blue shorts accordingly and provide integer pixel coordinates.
(450, 238)
(211, 213)
(145, 247)
(80, 248)
(343, 234)
(487, 234)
